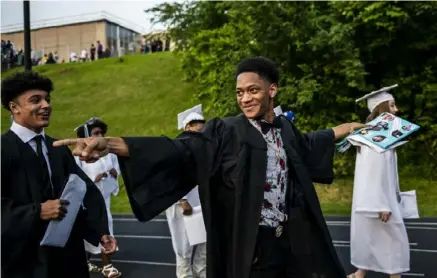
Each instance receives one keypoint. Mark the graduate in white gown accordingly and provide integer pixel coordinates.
(379, 240)
(104, 173)
(189, 261)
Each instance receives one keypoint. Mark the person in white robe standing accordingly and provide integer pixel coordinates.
(379, 240)
(104, 173)
(190, 260)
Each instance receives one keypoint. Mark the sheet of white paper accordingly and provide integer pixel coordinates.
(409, 205)
(195, 227)
(58, 232)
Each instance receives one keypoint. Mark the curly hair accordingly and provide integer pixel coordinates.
(260, 65)
(19, 83)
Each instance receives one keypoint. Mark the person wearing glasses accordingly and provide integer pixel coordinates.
(105, 174)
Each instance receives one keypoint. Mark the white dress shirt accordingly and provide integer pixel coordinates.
(28, 136)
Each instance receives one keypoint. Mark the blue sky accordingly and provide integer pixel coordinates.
(132, 11)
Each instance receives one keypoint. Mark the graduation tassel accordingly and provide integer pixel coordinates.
(86, 131)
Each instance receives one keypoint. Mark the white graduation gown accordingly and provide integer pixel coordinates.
(378, 246)
(107, 186)
(176, 224)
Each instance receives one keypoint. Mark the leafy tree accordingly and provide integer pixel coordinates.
(329, 54)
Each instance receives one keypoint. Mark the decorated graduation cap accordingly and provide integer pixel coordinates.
(290, 115)
(84, 129)
(192, 114)
(375, 98)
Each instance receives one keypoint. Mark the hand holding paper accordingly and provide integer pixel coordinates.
(195, 227)
(54, 209)
(58, 231)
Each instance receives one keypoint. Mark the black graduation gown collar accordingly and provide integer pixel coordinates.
(28, 157)
(252, 136)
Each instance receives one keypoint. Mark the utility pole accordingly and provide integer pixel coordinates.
(27, 49)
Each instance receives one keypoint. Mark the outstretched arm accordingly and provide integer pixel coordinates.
(158, 171)
(118, 146)
(317, 149)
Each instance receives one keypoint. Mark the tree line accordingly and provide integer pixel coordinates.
(329, 54)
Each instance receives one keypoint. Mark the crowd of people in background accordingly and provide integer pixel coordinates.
(12, 57)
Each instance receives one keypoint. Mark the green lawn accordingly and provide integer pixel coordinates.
(142, 96)
(336, 199)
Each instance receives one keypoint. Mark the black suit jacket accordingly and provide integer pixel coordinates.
(21, 225)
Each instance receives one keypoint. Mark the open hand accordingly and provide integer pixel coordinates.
(87, 149)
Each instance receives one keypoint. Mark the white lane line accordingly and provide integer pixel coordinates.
(424, 250)
(411, 249)
(408, 227)
(337, 243)
(333, 223)
(421, 223)
(137, 262)
(143, 237)
(407, 223)
(348, 242)
(330, 223)
(135, 220)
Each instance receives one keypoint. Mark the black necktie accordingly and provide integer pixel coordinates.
(47, 190)
(265, 126)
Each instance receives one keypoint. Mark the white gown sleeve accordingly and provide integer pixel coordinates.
(373, 182)
(117, 169)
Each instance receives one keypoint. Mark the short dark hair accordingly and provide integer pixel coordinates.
(97, 123)
(21, 82)
(260, 65)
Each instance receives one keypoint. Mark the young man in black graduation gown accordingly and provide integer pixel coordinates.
(255, 174)
(33, 176)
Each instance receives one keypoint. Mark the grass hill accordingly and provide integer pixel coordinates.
(142, 96)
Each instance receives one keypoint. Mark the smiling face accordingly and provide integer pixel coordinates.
(255, 95)
(32, 109)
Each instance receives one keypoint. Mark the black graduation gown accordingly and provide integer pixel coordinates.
(21, 225)
(228, 161)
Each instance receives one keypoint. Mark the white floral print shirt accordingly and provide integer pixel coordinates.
(275, 185)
